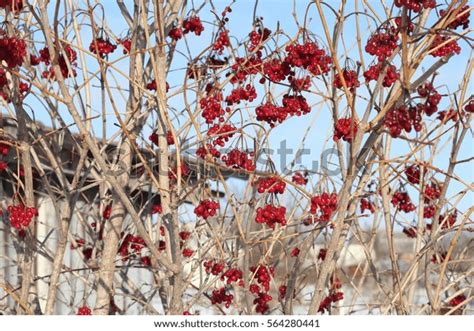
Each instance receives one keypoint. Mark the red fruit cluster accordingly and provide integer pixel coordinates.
(374, 71)
(462, 18)
(239, 160)
(152, 86)
(20, 216)
(322, 254)
(187, 252)
(175, 33)
(214, 268)
(84, 311)
(415, 5)
(67, 61)
(403, 118)
(432, 192)
(295, 105)
(346, 129)
(271, 185)
(331, 298)
(383, 43)
(193, 24)
(131, 245)
(210, 150)
(308, 56)
(220, 296)
(270, 113)
(442, 47)
(350, 77)
(4, 149)
(245, 66)
(79, 243)
(410, 25)
(12, 50)
(126, 44)
(221, 42)
(457, 300)
(324, 204)
(276, 70)
(13, 5)
(258, 37)
(299, 178)
(246, 93)
(413, 174)
(263, 276)
(5, 92)
(107, 212)
(299, 84)
(212, 108)
(102, 47)
(233, 275)
(448, 221)
(271, 215)
(366, 204)
(173, 173)
(401, 200)
(222, 132)
(469, 107)
(206, 208)
(295, 252)
(431, 96)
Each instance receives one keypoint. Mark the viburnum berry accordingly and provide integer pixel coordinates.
(102, 47)
(413, 174)
(206, 208)
(431, 96)
(263, 275)
(383, 43)
(261, 302)
(469, 107)
(295, 252)
(79, 243)
(331, 298)
(67, 62)
(299, 178)
(84, 311)
(271, 185)
(244, 67)
(209, 150)
(444, 46)
(131, 245)
(238, 159)
(276, 70)
(222, 133)
(258, 37)
(20, 216)
(403, 118)
(462, 18)
(410, 232)
(12, 50)
(366, 204)
(107, 212)
(410, 25)
(246, 93)
(308, 56)
(346, 129)
(432, 192)
(214, 268)
(271, 113)
(173, 173)
(457, 300)
(14, 6)
(126, 44)
(350, 77)
(187, 252)
(322, 254)
(300, 84)
(324, 206)
(415, 5)
(221, 42)
(401, 200)
(193, 24)
(220, 296)
(152, 86)
(233, 275)
(175, 33)
(374, 71)
(282, 291)
(211, 106)
(429, 211)
(295, 105)
(448, 221)
(184, 235)
(271, 215)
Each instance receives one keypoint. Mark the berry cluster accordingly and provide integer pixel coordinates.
(67, 62)
(443, 46)
(346, 129)
(263, 276)
(413, 174)
(271, 215)
(12, 50)
(374, 71)
(299, 84)
(243, 67)
(210, 150)
(350, 77)
(462, 18)
(220, 296)
(403, 118)
(383, 43)
(84, 311)
(295, 252)
(325, 204)
(299, 178)
(212, 108)
(206, 208)
(308, 56)
(295, 105)
(5, 92)
(222, 133)
(410, 25)
(221, 42)
(175, 33)
(469, 107)
(270, 113)
(107, 212)
(20, 216)
(457, 300)
(401, 200)
(415, 5)
(276, 70)
(431, 96)
(271, 185)
(246, 93)
(239, 160)
(126, 44)
(102, 47)
(432, 192)
(258, 37)
(233, 275)
(331, 298)
(187, 252)
(366, 204)
(131, 245)
(173, 173)
(14, 6)
(193, 24)
(152, 86)
(214, 268)
(448, 221)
